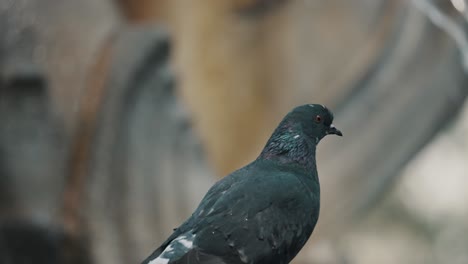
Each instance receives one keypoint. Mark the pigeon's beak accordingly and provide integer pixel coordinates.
(333, 131)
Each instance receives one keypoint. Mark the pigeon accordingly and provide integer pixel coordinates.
(264, 212)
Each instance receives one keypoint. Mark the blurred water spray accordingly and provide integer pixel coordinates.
(449, 24)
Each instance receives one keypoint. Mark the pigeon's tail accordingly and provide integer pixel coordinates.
(174, 251)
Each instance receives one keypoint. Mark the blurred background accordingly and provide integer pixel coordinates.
(117, 116)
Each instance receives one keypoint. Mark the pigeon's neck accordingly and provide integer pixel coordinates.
(292, 149)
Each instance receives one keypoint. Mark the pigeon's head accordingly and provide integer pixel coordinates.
(297, 135)
(314, 121)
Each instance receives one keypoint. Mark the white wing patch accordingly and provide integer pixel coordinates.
(176, 249)
(210, 211)
(185, 241)
(243, 257)
(159, 260)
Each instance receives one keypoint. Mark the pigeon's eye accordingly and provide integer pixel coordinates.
(318, 119)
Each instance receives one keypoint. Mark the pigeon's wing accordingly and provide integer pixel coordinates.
(165, 252)
(156, 253)
(182, 250)
(174, 251)
(196, 256)
(261, 218)
(251, 215)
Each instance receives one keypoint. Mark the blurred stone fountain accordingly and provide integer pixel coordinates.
(112, 130)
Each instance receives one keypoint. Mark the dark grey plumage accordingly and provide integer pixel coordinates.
(264, 212)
